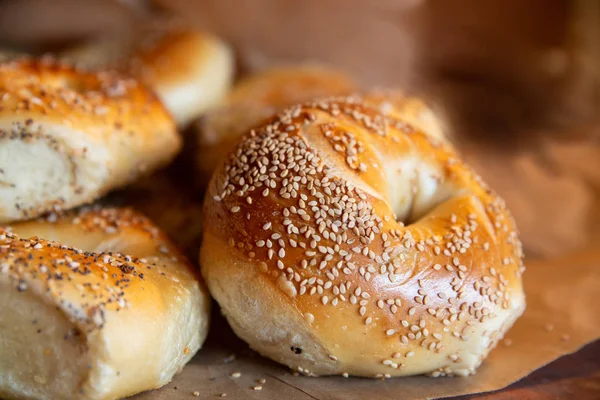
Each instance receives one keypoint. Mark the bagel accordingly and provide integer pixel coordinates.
(96, 304)
(190, 71)
(68, 136)
(257, 97)
(341, 239)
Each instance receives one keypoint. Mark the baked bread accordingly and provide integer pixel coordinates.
(257, 97)
(68, 136)
(96, 304)
(190, 71)
(339, 238)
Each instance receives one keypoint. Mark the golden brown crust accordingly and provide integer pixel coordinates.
(258, 97)
(411, 109)
(108, 280)
(189, 70)
(113, 275)
(102, 129)
(163, 56)
(48, 89)
(308, 204)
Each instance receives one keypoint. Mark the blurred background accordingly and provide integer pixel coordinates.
(516, 81)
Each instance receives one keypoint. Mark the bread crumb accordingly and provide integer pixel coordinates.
(196, 393)
(229, 358)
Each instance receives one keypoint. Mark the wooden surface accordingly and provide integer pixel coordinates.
(576, 376)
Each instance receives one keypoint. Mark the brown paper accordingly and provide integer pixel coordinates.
(551, 202)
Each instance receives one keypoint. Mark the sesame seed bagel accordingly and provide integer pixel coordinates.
(258, 97)
(96, 304)
(68, 136)
(190, 71)
(342, 239)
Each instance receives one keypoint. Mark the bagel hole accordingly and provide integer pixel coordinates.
(426, 190)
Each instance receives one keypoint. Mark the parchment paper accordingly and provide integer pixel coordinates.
(552, 188)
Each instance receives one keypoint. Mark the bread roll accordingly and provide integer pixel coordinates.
(340, 238)
(190, 71)
(257, 97)
(68, 136)
(95, 305)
